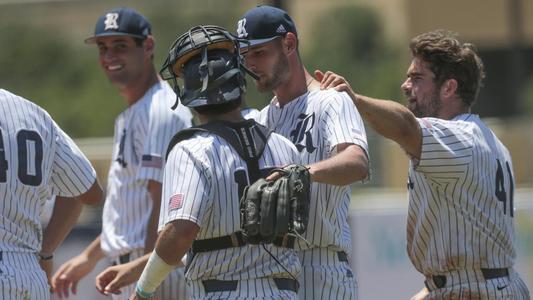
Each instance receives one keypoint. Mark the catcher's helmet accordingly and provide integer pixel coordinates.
(208, 61)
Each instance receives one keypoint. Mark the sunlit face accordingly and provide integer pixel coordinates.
(121, 59)
(421, 91)
(269, 63)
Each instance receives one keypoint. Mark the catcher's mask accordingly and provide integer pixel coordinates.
(208, 61)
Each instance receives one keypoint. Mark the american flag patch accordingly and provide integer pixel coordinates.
(152, 161)
(175, 202)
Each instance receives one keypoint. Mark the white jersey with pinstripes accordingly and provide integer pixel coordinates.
(460, 198)
(316, 123)
(142, 134)
(37, 160)
(204, 178)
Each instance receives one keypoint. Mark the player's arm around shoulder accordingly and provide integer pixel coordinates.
(388, 118)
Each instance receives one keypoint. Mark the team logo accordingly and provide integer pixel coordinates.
(111, 21)
(241, 30)
(281, 29)
(120, 156)
(301, 136)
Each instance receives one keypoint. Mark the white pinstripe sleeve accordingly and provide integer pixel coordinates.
(73, 174)
(163, 124)
(446, 147)
(342, 122)
(154, 148)
(186, 188)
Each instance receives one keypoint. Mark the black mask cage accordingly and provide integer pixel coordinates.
(208, 61)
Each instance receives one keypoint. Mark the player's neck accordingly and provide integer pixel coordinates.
(231, 116)
(134, 90)
(453, 109)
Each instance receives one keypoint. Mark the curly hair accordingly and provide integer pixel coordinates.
(450, 59)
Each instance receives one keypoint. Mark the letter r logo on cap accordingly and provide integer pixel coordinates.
(111, 21)
(241, 31)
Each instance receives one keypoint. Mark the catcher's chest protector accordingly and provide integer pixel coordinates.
(248, 138)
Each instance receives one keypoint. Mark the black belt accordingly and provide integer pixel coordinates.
(440, 280)
(235, 240)
(213, 285)
(124, 258)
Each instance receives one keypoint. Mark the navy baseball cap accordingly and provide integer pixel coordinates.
(264, 23)
(121, 21)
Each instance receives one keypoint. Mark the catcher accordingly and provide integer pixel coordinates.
(239, 237)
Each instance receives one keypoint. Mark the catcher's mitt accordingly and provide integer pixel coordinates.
(276, 208)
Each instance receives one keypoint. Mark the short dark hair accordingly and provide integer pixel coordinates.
(450, 59)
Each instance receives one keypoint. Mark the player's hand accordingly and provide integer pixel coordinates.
(69, 274)
(47, 266)
(112, 279)
(275, 175)
(330, 80)
(421, 295)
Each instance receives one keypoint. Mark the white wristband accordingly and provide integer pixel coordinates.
(154, 273)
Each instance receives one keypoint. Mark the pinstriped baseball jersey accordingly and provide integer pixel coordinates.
(142, 134)
(460, 198)
(37, 160)
(203, 182)
(316, 122)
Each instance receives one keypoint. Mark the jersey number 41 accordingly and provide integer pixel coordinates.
(500, 192)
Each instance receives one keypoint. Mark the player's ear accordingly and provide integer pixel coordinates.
(290, 42)
(448, 89)
(149, 45)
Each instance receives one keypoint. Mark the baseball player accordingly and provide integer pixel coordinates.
(142, 133)
(460, 229)
(205, 176)
(37, 160)
(330, 137)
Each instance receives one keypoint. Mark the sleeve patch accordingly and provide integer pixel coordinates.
(152, 161)
(176, 202)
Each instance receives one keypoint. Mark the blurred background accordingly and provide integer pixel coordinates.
(43, 58)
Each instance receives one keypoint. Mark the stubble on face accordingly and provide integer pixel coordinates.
(277, 75)
(428, 106)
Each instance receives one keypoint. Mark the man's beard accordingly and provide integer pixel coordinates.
(279, 74)
(428, 109)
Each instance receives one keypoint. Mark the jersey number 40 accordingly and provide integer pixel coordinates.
(29, 171)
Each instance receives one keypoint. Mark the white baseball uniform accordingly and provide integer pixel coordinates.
(460, 220)
(204, 180)
(316, 122)
(142, 134)
(37, 160)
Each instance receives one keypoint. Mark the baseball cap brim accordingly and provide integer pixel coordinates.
(92, 39)
(256, 42)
